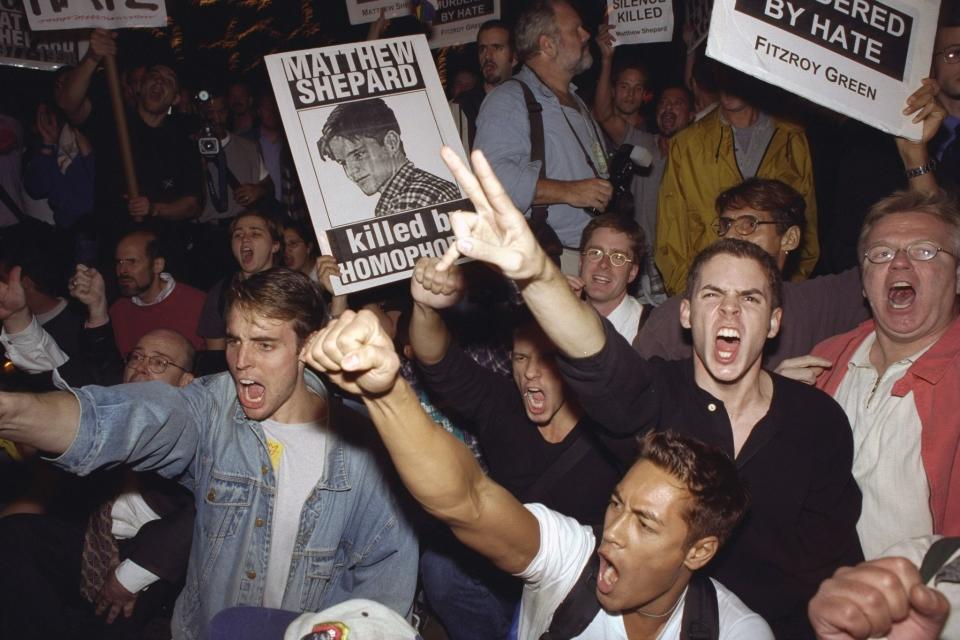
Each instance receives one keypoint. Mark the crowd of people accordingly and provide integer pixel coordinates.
(706, 392)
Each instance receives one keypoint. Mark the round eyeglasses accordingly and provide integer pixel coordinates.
(617, 258)
(743, 225)
(155, 364)
(921, 251)
(950, 55)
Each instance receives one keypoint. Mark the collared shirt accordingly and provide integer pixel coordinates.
(503, 134)
(169, 284)
(886, 452)
(626, 317)
(412, 188)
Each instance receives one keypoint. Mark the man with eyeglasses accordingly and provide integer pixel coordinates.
(150, 526)
(611, 250)
(897, 375)
(769, 214)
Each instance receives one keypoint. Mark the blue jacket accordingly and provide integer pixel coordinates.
(354, 540)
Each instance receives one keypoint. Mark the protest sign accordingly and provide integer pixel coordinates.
(457, 21)
(858, 57)
(641, 21)
(363, 11)
(20, 47)
(94, 14)
(365, 123)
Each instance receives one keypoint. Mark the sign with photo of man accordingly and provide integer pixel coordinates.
(365, 123)
(858, 57)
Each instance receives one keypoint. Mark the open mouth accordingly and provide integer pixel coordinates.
(535, 400)
(901, 295)
(246, 255)
(250, 393)
(727, 344)
(607, 576)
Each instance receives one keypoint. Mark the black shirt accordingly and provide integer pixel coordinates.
(796, 463)
(490, 406)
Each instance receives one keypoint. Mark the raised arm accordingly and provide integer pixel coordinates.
(439, 471)
(497, 233)
(47, 421)
(924, 106)
(614, 125)
(72, 95)
(432, 290)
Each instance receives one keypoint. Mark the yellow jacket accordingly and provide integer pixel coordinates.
(701, 165)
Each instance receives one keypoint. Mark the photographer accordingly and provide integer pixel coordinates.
(235, 174)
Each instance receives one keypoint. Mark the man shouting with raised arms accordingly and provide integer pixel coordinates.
(665, 520)
(791, 446)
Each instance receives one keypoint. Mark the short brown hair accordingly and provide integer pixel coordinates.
(784, 203)
(281, 294)
(738, 249)
(617, 222)
(938, 204)
(719, 496)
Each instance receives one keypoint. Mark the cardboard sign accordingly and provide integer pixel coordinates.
(857, 57)
(365, 123)
(364, 11)
(641, 21)
(457, 21)
(20, 47)
(45, 15)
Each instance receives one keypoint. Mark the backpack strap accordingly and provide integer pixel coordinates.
(580, 606)
(538, 213)
(701, 614)
(937, 556)
(558, 469)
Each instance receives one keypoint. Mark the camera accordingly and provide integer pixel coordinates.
(208, 144)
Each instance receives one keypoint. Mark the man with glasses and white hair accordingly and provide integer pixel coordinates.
(896, 376)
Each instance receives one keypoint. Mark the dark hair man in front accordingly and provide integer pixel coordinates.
(785, 440)
(293, 509)
(665, 520)
(364, 138)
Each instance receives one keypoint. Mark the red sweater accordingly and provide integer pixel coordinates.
(179, 311)
(934, 380)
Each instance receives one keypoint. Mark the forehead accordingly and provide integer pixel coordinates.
(908, 226)
(529, 339)
(251, 324)
(947, 36)
(159, 343)
(133, 245)
(730, 212)
(735, 273)
(607, 238)
(631, 75)
(163, 71)
(673, 95)
(647, 486)
(345, 146)
(566, 15)
(494, 35)
(250, 223)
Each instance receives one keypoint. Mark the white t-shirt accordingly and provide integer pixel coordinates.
(565, 547)
(298, 453)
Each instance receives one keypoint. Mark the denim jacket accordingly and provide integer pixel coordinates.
(354, 538)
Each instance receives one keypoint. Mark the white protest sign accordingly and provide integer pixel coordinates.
(640, 21)
(363, 11)
(457, 21)
(20, 47)
(94, 14)
(365, 123)
(857, 57)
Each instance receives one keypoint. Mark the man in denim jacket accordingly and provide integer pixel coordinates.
(244, 442)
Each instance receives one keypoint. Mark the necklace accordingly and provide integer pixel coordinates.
(673, 608)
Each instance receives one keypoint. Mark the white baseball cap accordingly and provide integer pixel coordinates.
(356, 619)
